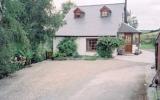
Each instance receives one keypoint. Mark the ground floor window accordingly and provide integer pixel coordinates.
(136, 39)
(91, 44)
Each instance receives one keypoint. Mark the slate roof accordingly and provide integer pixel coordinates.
(92, 24)
(127, 28)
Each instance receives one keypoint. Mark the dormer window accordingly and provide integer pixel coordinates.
(105, 11)
(104, 14)
(78, 13)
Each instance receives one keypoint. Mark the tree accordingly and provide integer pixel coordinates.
(67, 6)
(41, 24)
(27, 28)
(13, 37)
(133, 21)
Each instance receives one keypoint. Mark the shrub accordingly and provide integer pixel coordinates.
(106, 46)
(5, 67)
(76, 55)
(153, 41)
(67, 47)
(58, 55)
(148, 38)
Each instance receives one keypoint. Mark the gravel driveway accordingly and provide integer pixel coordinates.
(77, 80)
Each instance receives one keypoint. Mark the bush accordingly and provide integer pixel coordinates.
(7, 64)
(76, 55)
(149, 38)
(59, 55)
(37, 58)
(153, 41)
(67, 47)
(106, 46)
(5, 67)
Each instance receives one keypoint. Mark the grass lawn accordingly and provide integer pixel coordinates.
(148, 40)
(147, 46)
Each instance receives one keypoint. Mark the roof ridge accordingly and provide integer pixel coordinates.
(124, 27)
(128, 25)
(99, 4)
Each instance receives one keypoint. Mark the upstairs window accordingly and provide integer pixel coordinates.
(105, 11)
(78, 13)
(104, 14)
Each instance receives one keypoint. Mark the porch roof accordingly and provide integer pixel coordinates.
(124, 28)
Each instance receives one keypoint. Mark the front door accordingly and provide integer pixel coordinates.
(128, 43)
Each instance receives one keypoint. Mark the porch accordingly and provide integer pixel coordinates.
(131, 37)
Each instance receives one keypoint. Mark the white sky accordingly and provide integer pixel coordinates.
(147, 11)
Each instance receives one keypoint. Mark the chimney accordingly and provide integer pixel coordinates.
(125, 12)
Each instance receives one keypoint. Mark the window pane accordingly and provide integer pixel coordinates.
(136, 39)
(91, 44)
(104, 14)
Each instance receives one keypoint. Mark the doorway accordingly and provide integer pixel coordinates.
(128, 43)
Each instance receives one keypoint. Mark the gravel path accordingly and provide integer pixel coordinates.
(116, 79)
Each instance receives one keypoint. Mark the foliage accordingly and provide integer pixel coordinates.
(76, 55)
(27, 28)
(148, 39)
(133, 21)
(67, 46)
(67, 6)
(5, 64)
(59, 56)
(147, 46)
(42, 23)
(13, 37)
(106, 45)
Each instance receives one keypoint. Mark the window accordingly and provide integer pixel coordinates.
(91, 44)
(121, 36)
(104, 14)
(128, 39)
(105, 11)
(78, 13)
(136, 39)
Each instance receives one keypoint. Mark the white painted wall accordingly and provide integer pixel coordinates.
(81, 45)
(56, 41)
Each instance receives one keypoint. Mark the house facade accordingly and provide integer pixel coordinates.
(88, 23)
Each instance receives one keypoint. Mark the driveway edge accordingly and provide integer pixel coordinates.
(151, 91)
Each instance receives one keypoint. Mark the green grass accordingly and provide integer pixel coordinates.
(147, 46)
(92, 58)
(148, 40)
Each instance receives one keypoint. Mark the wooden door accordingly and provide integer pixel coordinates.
(128, 43)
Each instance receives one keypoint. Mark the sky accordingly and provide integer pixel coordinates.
(146, 11)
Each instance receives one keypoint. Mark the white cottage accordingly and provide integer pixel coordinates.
(88, 23)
